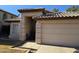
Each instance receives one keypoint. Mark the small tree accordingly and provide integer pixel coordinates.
(55, 10)
(73, 9)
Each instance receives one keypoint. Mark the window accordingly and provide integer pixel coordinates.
(4, 16)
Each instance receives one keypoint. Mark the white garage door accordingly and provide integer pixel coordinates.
(61, 34)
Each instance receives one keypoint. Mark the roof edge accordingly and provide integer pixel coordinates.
(8, 12)
(28, 10)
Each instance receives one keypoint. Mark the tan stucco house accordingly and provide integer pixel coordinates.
(45, 27)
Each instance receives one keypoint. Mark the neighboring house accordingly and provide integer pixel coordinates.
(45, 27)
(4, 26)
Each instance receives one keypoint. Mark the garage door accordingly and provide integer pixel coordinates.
(61, 34)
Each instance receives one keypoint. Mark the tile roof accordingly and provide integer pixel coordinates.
(57, 15)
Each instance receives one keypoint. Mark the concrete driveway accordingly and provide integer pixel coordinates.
(55, 49)
(48, 48)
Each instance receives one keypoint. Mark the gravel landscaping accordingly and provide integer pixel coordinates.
(6, 47)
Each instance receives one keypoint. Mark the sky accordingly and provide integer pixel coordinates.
(13, 8)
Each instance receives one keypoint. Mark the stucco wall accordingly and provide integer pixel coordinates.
(14, 31)
(8, 16)
(25, 24)
(31, 13)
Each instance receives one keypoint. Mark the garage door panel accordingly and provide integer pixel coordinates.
(61, 31)
(61, 25)
(60, 34)
(67, 40)
(63, 37)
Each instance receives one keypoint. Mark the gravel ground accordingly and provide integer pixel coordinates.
(5, 47)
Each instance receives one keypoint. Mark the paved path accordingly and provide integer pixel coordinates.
(48, 48)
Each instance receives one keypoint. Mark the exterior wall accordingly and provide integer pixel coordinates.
(22, 29)
(25, 25)
(8, 16)
(14, 31)
(38, 32)
(1, 15)
(39, 26)
(31, 13)
(14, 28)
